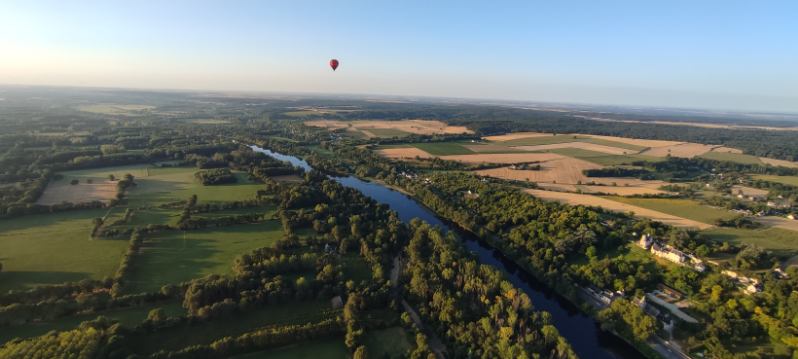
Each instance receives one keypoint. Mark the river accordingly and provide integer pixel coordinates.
(581, 331)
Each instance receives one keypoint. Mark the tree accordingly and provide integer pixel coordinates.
(361, 353)
(156, 315)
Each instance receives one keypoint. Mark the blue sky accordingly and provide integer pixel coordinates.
(710, 54)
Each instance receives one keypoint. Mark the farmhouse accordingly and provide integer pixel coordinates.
(667, 252)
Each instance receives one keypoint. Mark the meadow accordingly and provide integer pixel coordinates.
(390, 342)
(780, 241)
(684, 208)
(788, 180)
(177, 256)
(55, 248)
(733, 157)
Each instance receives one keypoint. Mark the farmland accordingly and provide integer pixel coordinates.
(178, 256)
(55, 248)
(678, 207)
(788, 180)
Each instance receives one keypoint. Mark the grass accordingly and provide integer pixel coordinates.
(443, 148)
(549, 140)
(115, 109)
(733, 157)
(684, 208)
(127, 316)
(55, 248)
(168, 258)
(788, 180)
(332, 348)
(356, 268)
(389, 342)
(603, 159)
(780, 241)
(181, 336)
(156, 185)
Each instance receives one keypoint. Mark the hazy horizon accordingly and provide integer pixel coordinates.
(735, 56)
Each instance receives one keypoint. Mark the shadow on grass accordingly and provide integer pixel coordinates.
(20, 280)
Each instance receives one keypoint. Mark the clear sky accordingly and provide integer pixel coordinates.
(707, 54)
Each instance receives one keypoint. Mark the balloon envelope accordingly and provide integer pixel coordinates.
(334, 64)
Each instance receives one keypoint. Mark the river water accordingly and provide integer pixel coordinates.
(581, 331)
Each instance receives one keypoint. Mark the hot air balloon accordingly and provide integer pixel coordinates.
(334, 64)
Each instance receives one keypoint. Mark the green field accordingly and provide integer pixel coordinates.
(173, 338)
(389, 342)
(549, 140)
(788, 180)
(780, 241)
(603, 159)
(443, 148)
(733, 157)
(55, 248)
(332, 348)
(128, 316)
(684, 208)
(169, 258)
(156, 185)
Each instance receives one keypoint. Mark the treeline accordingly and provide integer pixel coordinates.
(215, 176)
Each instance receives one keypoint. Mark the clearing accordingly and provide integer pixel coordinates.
(610, 205)
(55, 248)
(177, 256)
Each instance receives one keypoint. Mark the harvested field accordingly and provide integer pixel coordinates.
(404, 152)
(557, 187)
(782, 163)
(725, 149)
(507, 158)
(595, 201)
(516, 135)
(420, 127)
(779, 222)
(62, 191)
(686, 150)
(560, 171)
(749, 191)
(579, 145)
(637, 141)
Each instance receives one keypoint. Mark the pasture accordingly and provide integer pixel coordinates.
(419, 127)
(788, 180)
(617, 206)
(684, 208)
(158, 185)
(55, 248)
(780, 241)
(177, 256)
(733, 157)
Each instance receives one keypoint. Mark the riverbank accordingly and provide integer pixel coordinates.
(580, 329)
(565, 289)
